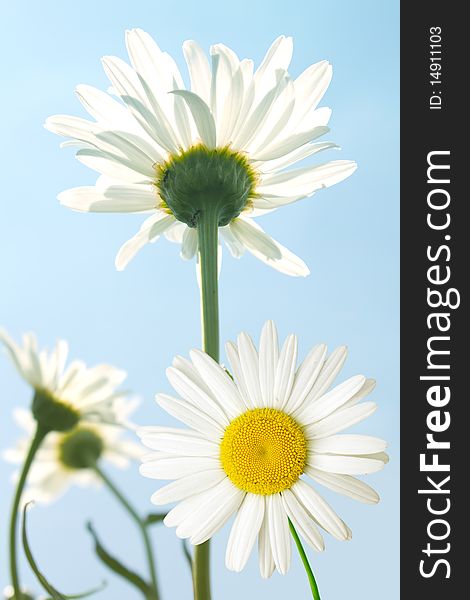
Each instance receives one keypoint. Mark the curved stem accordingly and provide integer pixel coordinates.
(208, 230)
(303, 556)
(140, 524)
(38, 437)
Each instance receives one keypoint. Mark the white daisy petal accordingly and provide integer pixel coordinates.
(219, 382)
(348, 444)
(236, 248)
(345, 465)
(249, 363)
(151, 229)
(320, 510)
(177, 441)
(302, 521)
(367, 388)
(236, 369)
(345, 484)
(333, 365)
(174, 467)
(187, 486)
(185, 412)
(340, 419)
(199, 69)
(279, 534)
(314, 410)
(268, 361)
(202, 116)
(124, 198)
(285, 146)
(254, 239)
(285, 372)
(244, 531)
(305, 377)
(189, 244)
(216, 507)
(266, 560)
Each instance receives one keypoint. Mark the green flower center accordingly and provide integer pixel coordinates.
(199, 179)
(53, 414)
(80, 448)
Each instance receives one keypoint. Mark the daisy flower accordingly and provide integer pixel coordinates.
(227, 142)
(64, 458)
(251, 441)
(63, 396)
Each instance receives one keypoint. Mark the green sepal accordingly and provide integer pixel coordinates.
(51, 414)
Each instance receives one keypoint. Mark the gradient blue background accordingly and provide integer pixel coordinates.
(58, 277)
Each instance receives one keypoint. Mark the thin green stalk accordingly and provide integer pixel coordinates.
(207, 229)
(303, 556)
(38, 437)
(140, 524)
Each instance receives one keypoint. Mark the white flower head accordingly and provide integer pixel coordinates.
(230, 137)
(251, 441)
(64, 458)
(64, 395)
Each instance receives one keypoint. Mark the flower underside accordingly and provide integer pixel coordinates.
(80, 448)
(263, 451)
(53, 414)
(201, 179)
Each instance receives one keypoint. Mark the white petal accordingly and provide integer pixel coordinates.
(117, 198)
(199, 70)
(110, 166)
(281, 259)
(279, 533)
(314, 410)
(202, 116)
(268, 360)
(305, 377)
(219, 504)
(339, 420)
(302, 521)
(185, 487)
(219, 383)
(250, 369)
(333, 365)
(284, 146)
(196, 396)
(236, 248)
(244, 531)
(367, 388)
(310, 87)
(320, 510)
(292, 157)
(174, 467)
(285, 371)
(307, 180)
(346, 465)
(150, 230)
(353, 444)
(345, 484)
(177, 441)
(254, 238)
(190, 243)
(266, 560)
(191, 416)
(231, 350)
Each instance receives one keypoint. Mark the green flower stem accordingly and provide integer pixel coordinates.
(38, 437)
(303, 556)
(140, 524)
(208, 230)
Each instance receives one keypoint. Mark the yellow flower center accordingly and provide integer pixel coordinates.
(263, 451)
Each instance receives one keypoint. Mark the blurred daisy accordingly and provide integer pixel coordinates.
(167, 150)
(252, 439)
(63, 396)
(65, 458)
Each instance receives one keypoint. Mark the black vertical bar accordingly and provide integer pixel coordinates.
(435, 258)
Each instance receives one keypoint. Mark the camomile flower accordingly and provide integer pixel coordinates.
(64, 396)
(225, 146)
(251, 441)
(67, 458)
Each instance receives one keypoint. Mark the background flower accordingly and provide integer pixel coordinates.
(263, 115)
(251, 441)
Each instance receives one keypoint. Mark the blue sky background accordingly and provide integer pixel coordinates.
(58, 277)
